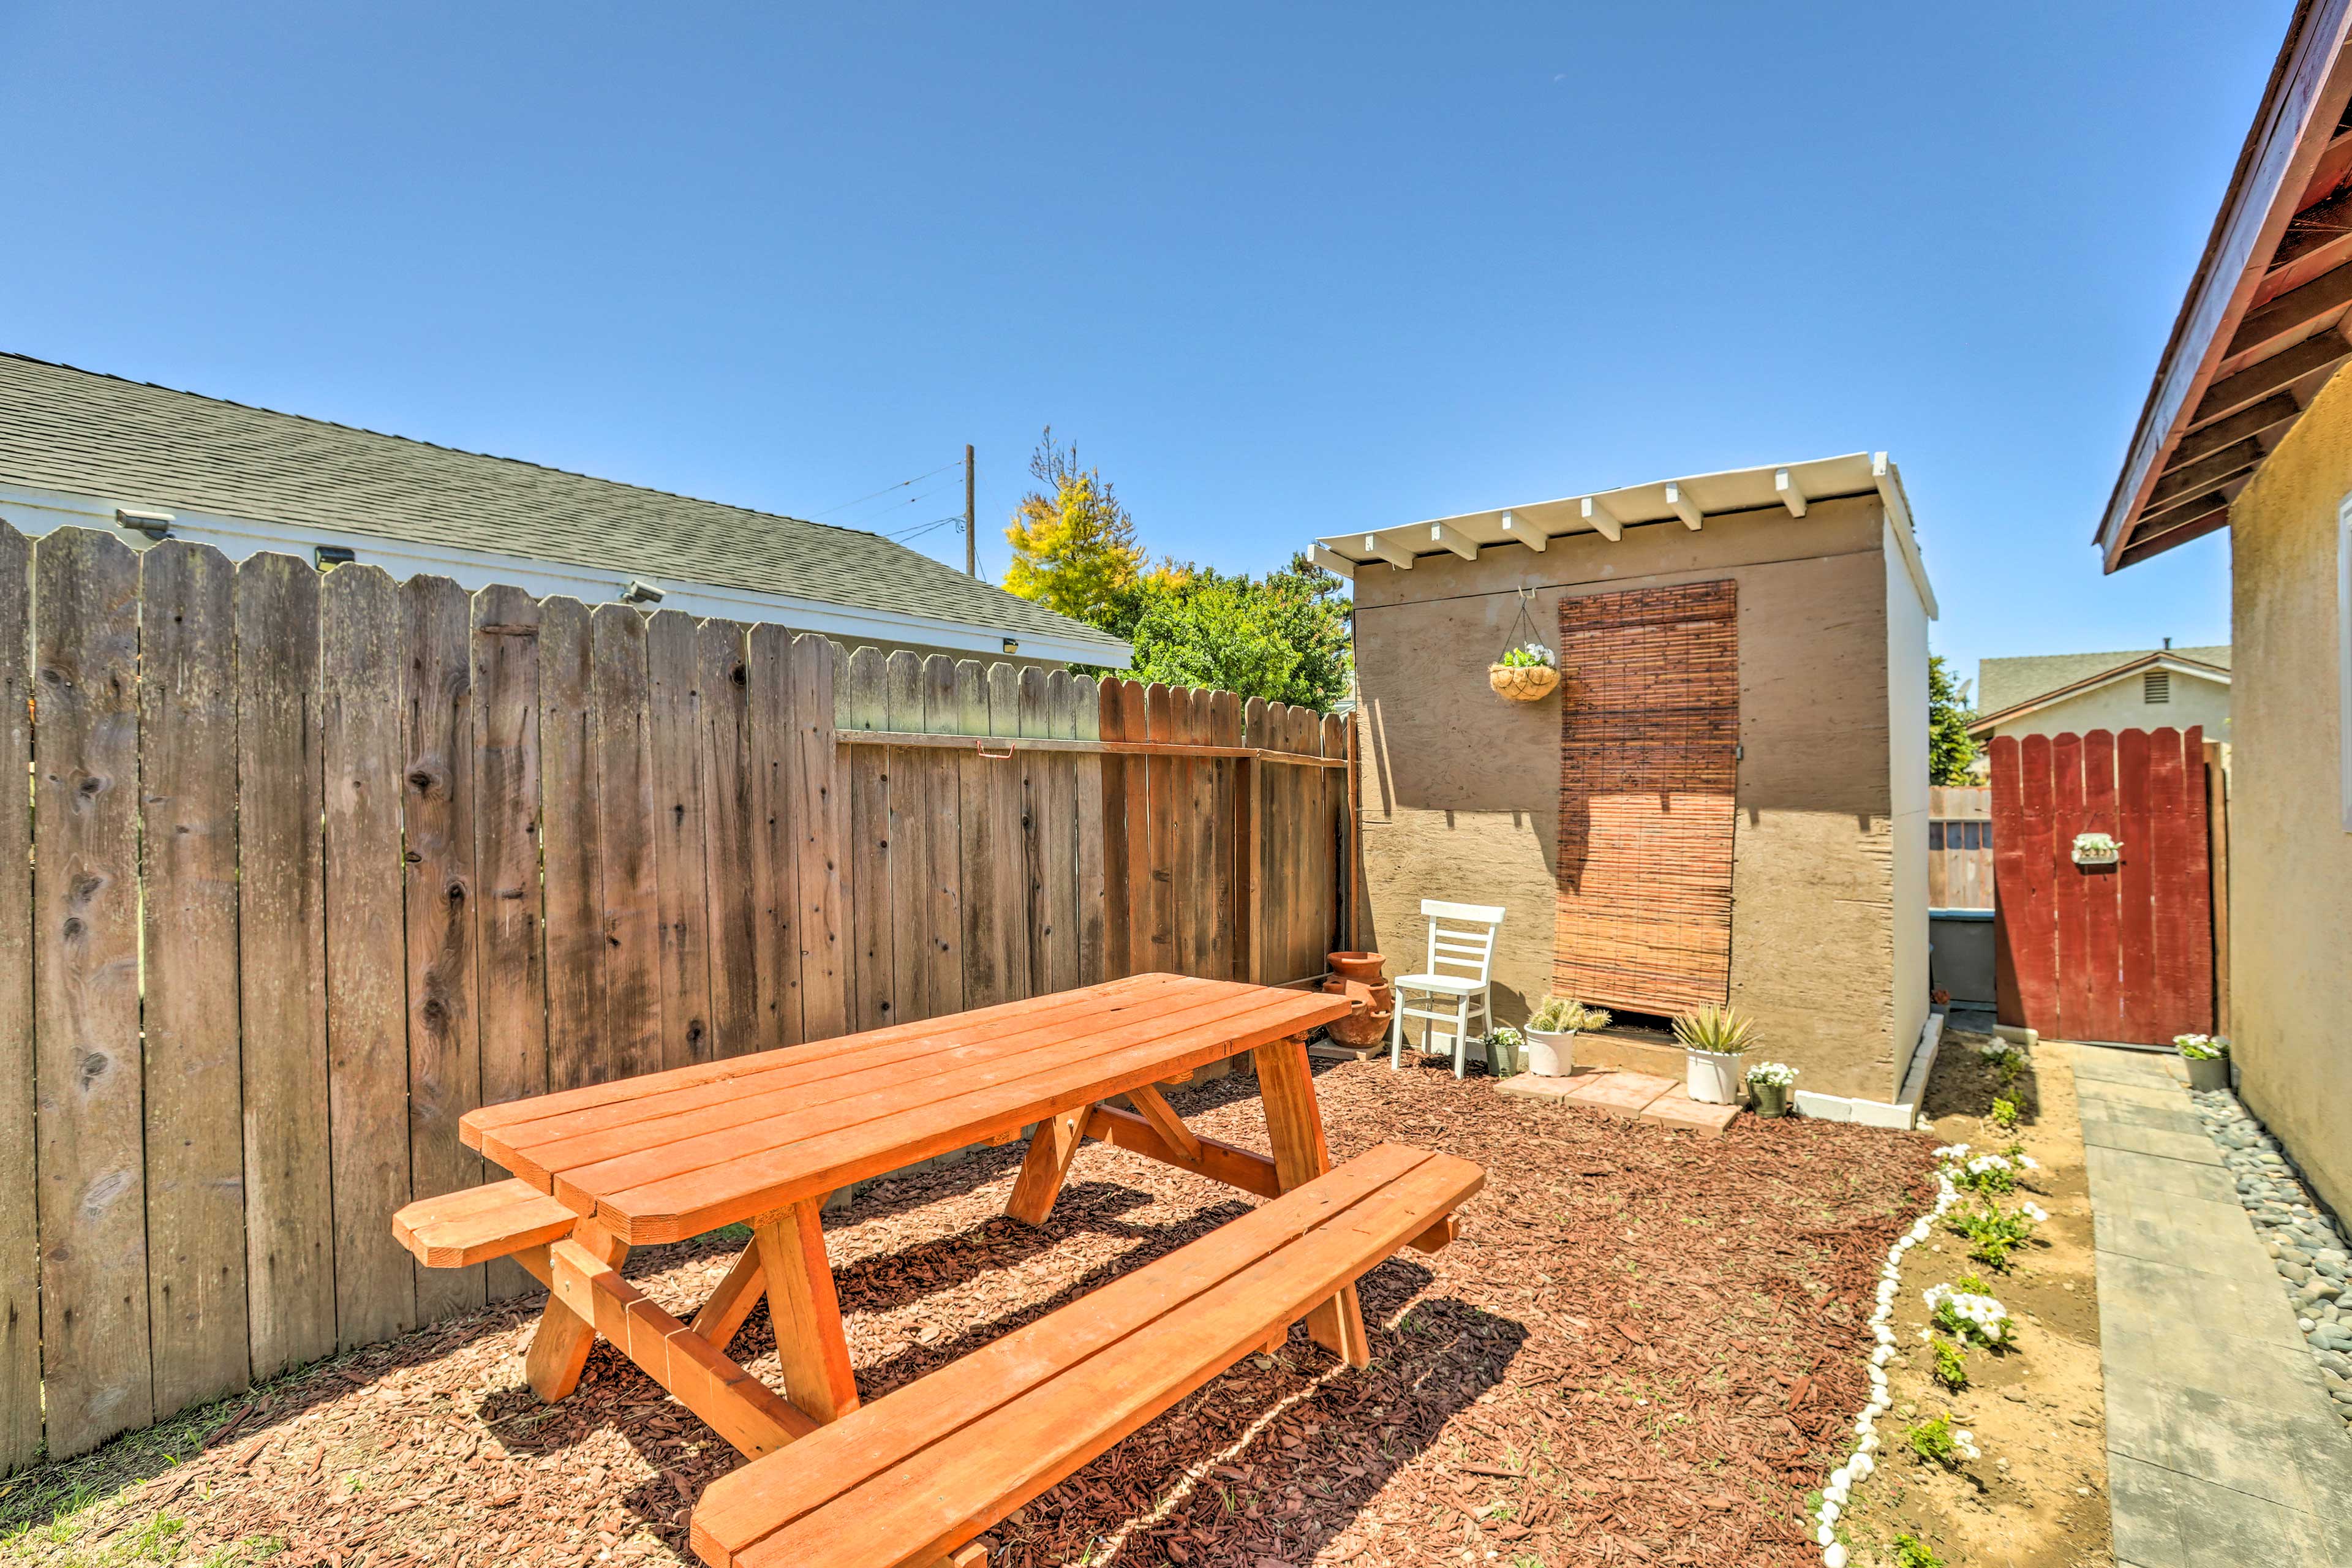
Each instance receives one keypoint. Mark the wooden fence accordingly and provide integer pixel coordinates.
(2122, 951)
(312, 865)
(1959, 847)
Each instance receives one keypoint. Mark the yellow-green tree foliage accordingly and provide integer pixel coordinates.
(1073, 544)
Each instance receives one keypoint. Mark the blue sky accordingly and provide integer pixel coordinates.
(1280, 272)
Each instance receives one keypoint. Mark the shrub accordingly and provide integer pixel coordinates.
(2003, 1115)
(1951, 1365)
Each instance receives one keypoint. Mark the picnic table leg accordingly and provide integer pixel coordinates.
(559, 1349)
(723, 1313)
(810, 1343)
(1051, 1150)
(1295, 1126)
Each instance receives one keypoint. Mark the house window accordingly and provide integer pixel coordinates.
(2343, 655)
(2156, 686)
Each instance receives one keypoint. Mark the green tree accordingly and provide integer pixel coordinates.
(1283, 637)
(1951, 748)
(1073, 544)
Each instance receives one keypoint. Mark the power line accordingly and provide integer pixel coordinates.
(920, 529)
(885, 489)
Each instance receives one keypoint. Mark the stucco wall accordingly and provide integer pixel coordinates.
(1461, 797)
(2290, 856)
(1906, 707)
(2121, 706)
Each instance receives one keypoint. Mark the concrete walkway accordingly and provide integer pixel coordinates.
(2222, 1445)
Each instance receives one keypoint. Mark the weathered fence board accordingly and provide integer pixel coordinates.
(188, 806)
(408, 850)
(359, 679)
(727, 852)
(572, 858)
(96, 1363)
(20, 1305)
(445, 1066)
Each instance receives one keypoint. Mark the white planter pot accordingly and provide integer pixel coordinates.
(1549, 1054)
(1713, 1077)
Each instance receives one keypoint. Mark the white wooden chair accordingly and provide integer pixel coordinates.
(1456, 986)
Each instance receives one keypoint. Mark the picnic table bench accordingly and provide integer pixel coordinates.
(765, 1139)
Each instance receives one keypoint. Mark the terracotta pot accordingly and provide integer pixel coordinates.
(1363, 967)
(1523, 682)
(1374, 1006)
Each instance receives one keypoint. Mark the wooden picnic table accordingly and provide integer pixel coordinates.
(765, 1139)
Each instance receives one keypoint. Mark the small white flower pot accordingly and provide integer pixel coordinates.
(1551, 1054)
(1713, 1077)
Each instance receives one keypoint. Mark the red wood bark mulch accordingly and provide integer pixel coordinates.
(1645, 1349)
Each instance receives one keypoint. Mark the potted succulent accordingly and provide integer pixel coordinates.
(2208, 1057)
(1503, 1052)
(1772, 1083)
(2096, 849)
(1551, 1035)
(1714, 1039)
(1527, 673)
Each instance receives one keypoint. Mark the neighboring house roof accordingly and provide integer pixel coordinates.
(87, 434)
(1786, 487)
(2263, 325)
(2005, 682)
(2018, 693)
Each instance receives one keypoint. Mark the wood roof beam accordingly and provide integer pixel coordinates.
(2317, 241)
(1605, 522)
(2195, 527)
(1380, 549)
(1527, 534)
(2290, 317)
(2270, 415)
(2276, 373)
(1332, 561)
(2205, 472)
(1784, 485)
(2335, 166)
(1684, 507)
(1445, 536)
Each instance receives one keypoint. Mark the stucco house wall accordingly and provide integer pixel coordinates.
(2121, 706)
(1461, 798)
(2290, 853)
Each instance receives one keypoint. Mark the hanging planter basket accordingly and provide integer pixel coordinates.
(1523, 682)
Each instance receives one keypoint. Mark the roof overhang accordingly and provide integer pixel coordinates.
(1786, 488)
(2264, 323)
(2197, 669)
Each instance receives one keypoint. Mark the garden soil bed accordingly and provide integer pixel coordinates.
(2037, 1497)
(1646, 1349)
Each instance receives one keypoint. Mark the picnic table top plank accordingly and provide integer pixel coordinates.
(666, 1144)
(543, 1146)
(700, 1147)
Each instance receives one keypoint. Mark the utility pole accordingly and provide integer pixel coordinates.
(971, 545)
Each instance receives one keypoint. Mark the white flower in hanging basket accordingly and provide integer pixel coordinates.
(1525, 674)
(2096, 849)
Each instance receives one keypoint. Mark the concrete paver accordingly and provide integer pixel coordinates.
(2222, 1445)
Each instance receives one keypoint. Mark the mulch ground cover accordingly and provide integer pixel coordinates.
(1645, 1349)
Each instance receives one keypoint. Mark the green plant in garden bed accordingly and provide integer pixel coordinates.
(1951, 1365)
(1940, 1442)
(1910, 1551)
(1993, 1232)
(2003, 1115)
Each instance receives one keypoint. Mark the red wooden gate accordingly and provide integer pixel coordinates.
(2122, 952)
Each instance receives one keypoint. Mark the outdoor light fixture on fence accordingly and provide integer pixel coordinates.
(327, 557)
(156, 525)
(638, 593)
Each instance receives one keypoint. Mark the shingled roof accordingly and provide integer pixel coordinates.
(88, 434)
(2003, 683)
